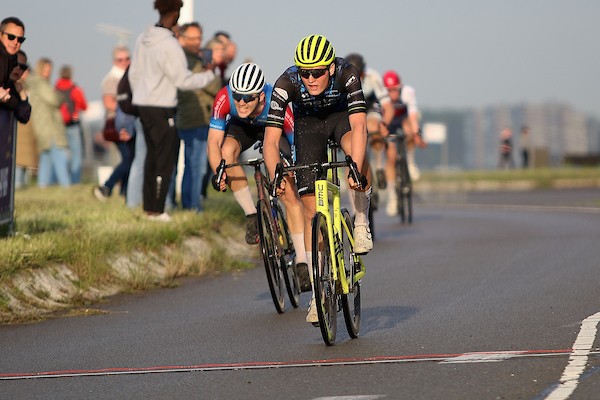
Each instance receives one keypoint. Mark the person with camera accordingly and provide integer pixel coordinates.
(193, 116)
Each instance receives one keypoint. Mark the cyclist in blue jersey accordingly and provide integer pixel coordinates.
(238, 121)
(328, 102)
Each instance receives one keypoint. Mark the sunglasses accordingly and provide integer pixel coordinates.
(122, 59)
(12, 37)
(23, 67)
(246, 97)
(316, 73)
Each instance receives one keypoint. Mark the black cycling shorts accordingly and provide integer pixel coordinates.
(310, 139)
(247, 135)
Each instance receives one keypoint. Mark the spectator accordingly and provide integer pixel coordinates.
(74, 104)
(19, 101)
(48, 126)
(229, 49)
(192, 119)
(26, 156)
(506, 159)
(126, 145)
(525, 145)
(12, 31)
(111, 80)
(157, 70)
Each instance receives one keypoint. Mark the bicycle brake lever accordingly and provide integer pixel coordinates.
(277, 179)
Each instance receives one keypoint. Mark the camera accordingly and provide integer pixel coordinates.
(206, 55)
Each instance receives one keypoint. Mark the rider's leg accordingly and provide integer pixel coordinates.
(363, 241)
(413, 170)
(377, 147)
(308, 202)
(295, 218)
(390, 172)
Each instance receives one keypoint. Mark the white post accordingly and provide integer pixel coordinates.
(186, 14)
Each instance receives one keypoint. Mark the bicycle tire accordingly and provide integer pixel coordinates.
(292, 283)
(404, 192)
(270, 258)
(325, 290)
(351, 300)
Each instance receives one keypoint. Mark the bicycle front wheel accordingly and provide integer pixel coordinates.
(324, 283)
(286, 260)
(350, 300)
(270, 256)
(404, 192)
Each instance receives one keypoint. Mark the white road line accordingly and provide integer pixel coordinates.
(578, 359)
(482, 357)
(366, 397)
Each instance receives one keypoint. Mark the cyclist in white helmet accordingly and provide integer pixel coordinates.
(238, 121)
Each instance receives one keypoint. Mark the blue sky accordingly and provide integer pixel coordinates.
(456, 53)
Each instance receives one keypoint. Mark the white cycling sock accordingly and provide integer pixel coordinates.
(244, 199)
(310, 271)
(298, 241)
(391, 189)
(361, 204)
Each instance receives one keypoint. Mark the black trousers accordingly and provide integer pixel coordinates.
(162, 145)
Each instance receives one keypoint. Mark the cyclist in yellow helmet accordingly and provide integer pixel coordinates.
(328, 102)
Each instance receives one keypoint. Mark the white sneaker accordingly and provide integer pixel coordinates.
(391, 208)
(164, 217)
(312, 316)
(363, 241)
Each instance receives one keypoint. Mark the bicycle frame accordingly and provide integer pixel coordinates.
(326, 189)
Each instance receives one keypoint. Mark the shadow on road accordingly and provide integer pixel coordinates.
(384, 318)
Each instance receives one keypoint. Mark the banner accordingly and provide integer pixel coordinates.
(7, 165)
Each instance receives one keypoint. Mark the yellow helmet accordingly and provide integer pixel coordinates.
(314, 51)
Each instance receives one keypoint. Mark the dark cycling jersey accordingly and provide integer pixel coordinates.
(317, 118)
(406, 104)
(344, 93)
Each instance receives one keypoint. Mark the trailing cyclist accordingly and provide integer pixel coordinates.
(238, 121)
(328, 102)
(379, 115)
(406, 118)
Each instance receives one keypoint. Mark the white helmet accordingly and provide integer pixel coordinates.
(248, 78)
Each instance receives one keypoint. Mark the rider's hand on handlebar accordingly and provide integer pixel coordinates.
(219, 186)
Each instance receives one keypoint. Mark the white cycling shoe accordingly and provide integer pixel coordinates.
(363, 241)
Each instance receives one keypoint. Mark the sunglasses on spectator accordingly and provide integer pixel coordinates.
(122, 59)
(246, 97)
(12, 37)
(316, 73)
(23, 67)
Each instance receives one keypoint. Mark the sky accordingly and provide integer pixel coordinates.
(456, 54)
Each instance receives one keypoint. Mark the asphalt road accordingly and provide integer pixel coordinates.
(483, 297)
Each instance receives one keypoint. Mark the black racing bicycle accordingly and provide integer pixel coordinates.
(276, 245)
(404, 190)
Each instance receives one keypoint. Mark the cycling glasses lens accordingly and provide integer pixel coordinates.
(246, 97)
(12, 37)
(23, 67)
(316, 73)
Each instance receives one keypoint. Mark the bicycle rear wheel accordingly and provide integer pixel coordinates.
(286, 260)
(270, 257)
(351, 300)
(324, 284)
(404, 192)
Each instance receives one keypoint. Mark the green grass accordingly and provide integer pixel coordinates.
(540, 177)
(57, 226)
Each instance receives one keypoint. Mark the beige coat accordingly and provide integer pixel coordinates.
(46, 118)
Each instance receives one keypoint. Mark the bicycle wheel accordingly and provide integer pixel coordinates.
(324, 284)
(351, 300)
(270, 258)
(286, 260)
(404, 191)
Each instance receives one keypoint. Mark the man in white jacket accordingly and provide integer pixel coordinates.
(158, 68)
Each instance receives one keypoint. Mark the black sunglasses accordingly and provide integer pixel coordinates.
(246, 97)
(12, 37)
(316, 73)
(22, 66)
